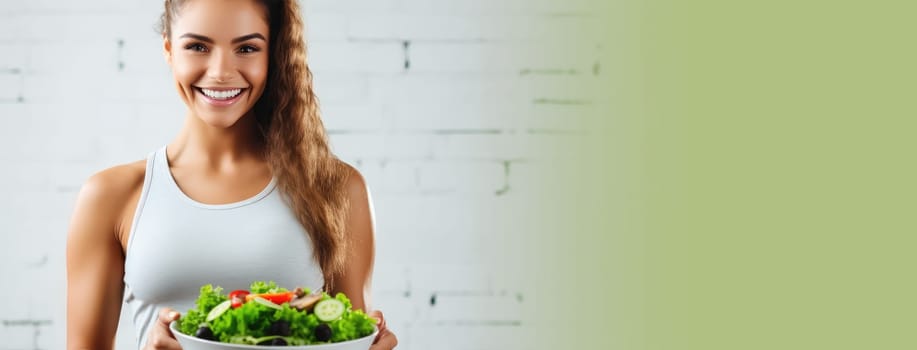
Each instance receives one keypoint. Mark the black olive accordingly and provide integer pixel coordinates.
(281, 328)
(322, 332)
(205, 333)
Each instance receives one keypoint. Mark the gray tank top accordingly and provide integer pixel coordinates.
(177, 244)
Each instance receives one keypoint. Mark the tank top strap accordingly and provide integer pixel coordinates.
(144, 193)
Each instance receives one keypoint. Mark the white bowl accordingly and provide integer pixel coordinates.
(193, 343)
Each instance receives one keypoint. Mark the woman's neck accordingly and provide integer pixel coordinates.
(217, 148)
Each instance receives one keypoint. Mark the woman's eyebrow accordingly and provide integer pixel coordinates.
(249, 36)
(236, 40)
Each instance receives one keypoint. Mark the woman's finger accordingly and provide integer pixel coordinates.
(385, 341)
(167, 315)
(160, 337)
(380, 324)
(379, 317)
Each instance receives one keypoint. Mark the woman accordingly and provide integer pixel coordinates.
(248, 190)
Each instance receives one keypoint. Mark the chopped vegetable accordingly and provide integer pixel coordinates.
(276, 298)
(259, 287)
(329, 310)
(323, 332)
(218, 310)
(209, 297)
(204, 332)
(266, 302)
(306, 302)
(238, 297)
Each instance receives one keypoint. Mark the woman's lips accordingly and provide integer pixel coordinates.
(217, 100)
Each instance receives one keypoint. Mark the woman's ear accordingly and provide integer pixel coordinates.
(167, 50)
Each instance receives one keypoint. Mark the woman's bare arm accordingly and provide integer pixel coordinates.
(356, 279)
(95, 262)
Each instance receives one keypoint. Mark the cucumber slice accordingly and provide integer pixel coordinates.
(266, 302)
(218, 310)
(329, 310)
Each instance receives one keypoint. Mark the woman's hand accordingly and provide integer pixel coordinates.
(385, 340)
(159, 336)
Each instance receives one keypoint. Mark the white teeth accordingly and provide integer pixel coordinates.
(221, 95)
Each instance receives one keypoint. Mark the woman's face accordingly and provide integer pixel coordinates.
(218, 52)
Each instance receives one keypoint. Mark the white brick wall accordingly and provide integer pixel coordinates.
(452, 109)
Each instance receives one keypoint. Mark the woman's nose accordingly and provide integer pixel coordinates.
(221, 66)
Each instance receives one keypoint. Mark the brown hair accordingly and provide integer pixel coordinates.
(310, 176)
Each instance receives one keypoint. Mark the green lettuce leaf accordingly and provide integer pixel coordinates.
(208, 298)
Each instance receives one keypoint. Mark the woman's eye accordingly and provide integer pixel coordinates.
(248, 49)
(196, 47)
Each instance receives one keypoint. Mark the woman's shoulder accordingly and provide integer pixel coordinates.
(103, 198)
(108, 191)
(117, 181)
(354, 183)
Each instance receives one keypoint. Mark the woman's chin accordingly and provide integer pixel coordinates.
(219, 120)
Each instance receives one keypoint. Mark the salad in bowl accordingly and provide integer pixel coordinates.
(267, 314)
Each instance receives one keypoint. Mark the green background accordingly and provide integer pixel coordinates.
(748, 183)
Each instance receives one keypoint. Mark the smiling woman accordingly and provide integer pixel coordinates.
(248, 190)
